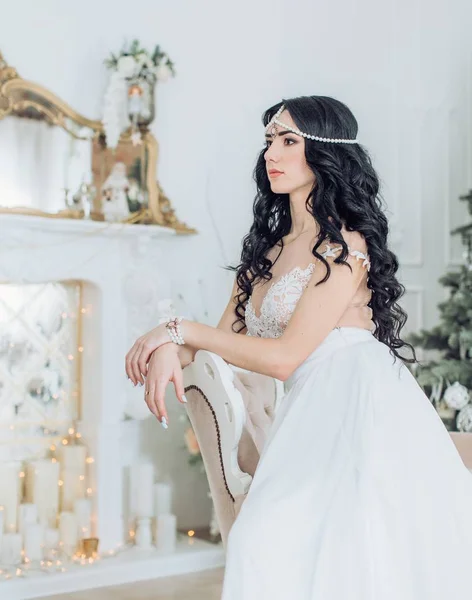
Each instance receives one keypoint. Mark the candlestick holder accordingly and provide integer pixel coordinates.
(89, 547)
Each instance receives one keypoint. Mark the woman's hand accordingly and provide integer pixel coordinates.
(164, 367)
(137, 358)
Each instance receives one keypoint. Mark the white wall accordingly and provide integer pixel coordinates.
(403, 66)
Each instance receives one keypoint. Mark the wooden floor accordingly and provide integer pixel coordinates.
(205, 585)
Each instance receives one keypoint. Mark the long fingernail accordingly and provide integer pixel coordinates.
(164, 423)
(184, 398)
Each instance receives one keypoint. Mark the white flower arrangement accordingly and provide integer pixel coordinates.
(132, 64)
(135, 61)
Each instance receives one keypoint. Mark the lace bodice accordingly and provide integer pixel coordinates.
(281, 298)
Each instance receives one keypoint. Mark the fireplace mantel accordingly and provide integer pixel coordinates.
(123, 273)
(55, 225)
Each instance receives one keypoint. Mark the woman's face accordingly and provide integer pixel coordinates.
(286, 165)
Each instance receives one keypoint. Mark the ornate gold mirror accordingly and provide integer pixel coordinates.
(54, 162)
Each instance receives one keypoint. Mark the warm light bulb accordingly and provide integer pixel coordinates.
(71, 431)
(65, 442)
(83, 310)
(78, 435)
(89, 460)
(54, 460)
(89, 491)
(191, 533)
(22, 474)
(52, 447)
(80, 348)
(60, 482)
(70, 357)
(81, 477)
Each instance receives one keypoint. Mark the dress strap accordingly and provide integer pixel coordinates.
(334, 250)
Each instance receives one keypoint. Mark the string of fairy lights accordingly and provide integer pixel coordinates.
(58, 560)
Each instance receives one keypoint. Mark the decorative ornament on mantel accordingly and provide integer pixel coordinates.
(129, 98)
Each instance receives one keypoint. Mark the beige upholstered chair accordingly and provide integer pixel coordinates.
(231, 411)
(463, 442)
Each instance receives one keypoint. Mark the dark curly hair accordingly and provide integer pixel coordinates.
(345, 193)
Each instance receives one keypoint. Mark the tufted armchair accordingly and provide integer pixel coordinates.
(230, 411)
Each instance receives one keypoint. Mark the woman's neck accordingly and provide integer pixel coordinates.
(302, 220)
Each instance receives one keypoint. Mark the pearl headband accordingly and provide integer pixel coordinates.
(273, 131)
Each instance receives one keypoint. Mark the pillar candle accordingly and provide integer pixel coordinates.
(51, 539)
(73, 467)
(33, 541)
(27, 515)
(166, 533)
(143, 537)
(83, 513)
(162, 499)
(141, 489)
(10, 495)
(51, 542)
(42, 489)
(68, 530)
(12, 544)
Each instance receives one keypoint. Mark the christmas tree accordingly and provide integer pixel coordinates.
(446, 377)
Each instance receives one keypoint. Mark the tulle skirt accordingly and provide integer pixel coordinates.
(360, 493)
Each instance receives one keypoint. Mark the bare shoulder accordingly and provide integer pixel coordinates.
(355, 240)
(358, 250)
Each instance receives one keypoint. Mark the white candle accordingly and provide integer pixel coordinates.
(10, 494)
(83, 513)
(166, 533)
(27, 515)
(162, 499)
(51, 539)
(141, 489)
(73, 467)
(42, 489)
(34, 538)
(68, 530)
(143, 533)
(12, 544)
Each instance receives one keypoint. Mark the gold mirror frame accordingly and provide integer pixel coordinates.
(22, 98)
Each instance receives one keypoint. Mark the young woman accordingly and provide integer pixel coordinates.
(360, 494)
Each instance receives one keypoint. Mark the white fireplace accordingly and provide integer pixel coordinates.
(122, 276)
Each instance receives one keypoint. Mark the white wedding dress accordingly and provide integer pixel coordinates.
(360, 493)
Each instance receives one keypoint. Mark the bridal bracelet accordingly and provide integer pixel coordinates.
(173, 329)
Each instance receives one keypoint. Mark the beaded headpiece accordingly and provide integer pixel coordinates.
(271, 129)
